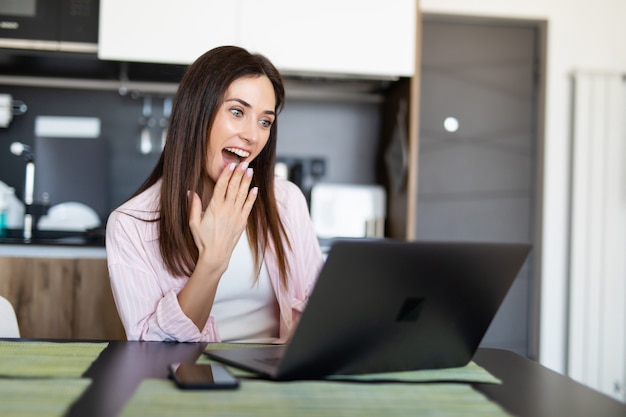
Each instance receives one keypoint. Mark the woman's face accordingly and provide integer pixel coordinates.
(242, 123)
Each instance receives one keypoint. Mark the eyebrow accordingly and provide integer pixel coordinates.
(247, 105)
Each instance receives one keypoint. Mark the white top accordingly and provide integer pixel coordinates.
(245, 310)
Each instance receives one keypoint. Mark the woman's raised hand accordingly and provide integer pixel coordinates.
(217, 231)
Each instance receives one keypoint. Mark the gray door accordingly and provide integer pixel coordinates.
(478, 182)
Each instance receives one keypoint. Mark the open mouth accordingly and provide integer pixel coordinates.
(234, 155)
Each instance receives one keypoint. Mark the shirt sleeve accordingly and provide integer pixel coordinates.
(305, 257)
(145, 295)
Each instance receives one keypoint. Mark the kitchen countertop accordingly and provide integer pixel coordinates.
(56, 244)
(34, 250)
(76, 244)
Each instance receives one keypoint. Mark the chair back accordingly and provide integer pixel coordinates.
(8, 319)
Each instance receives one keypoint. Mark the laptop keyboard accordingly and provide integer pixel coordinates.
(269, 361)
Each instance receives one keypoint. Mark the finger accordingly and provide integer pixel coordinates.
(222, 184)
(250, 199)
(195, 212)
(244, 188)
(239, 184)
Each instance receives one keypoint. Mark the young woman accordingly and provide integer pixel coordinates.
(212, 247)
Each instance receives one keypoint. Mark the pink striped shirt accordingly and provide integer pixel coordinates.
(146, 294)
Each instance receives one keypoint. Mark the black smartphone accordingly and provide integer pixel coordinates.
(202, 376)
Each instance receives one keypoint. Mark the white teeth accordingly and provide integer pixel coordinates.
(239, 152)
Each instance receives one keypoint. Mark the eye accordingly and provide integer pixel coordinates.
(266, 123)
(236, 112)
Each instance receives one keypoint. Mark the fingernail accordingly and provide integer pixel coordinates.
(244, 165)
(249, 172)
(255, 190)
(232, 166)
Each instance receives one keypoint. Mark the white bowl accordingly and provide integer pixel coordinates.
(71, 216)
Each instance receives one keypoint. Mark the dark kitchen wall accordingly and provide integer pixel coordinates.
(480, 183)
(344, 133)
(119, 117)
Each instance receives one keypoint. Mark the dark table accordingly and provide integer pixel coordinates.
(528, 388)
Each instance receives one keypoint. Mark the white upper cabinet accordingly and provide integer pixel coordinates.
(365, 37)
(164, 31)
(348, 37)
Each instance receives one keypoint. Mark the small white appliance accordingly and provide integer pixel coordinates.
(348, 210)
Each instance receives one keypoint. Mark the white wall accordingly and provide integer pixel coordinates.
(597, 273)
(581, 35)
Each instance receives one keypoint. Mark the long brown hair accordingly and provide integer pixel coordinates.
(182, 165)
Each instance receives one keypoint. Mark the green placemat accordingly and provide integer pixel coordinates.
(39, 397)
(33, 359)
(161, 398)
(469, 373)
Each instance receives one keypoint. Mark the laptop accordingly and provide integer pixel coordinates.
(387, 305)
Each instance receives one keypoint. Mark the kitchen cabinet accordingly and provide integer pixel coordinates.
(360, 37)
(348, 37)
(164, 31)
(61, 298)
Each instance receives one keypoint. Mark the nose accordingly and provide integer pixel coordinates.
(250, 130)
